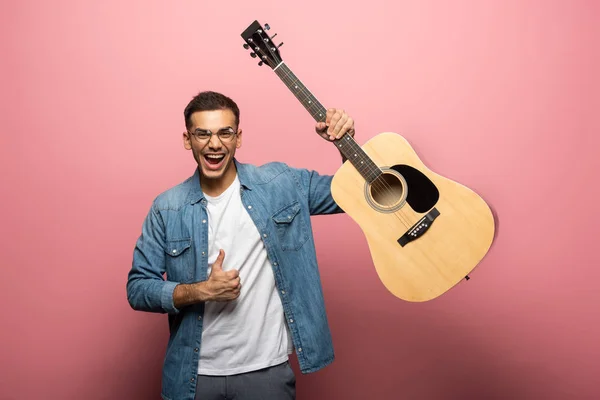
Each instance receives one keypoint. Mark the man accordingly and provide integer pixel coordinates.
(242, 286)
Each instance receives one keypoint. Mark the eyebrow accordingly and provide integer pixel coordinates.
(208, 130)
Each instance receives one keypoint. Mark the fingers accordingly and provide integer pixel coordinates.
(218, 264)
(235, 288)
(232, 284)
(321, 127)
(348, 127)
(329, 115)
(339, 123)
(236, 283)
(334, 122)
(232, 274)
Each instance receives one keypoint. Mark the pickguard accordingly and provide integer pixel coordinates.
(422, 193)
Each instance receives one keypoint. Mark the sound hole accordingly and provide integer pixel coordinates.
(387, 190)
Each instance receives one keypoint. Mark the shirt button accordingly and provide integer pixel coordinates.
(174, 251)
(199, 317)
(275, 263)
(203, 253)
(264, 235)
(203, 221)
(196, 350)
(249, 207)
(291, 320)
(300, 349)
(283, 292)
(192, 380)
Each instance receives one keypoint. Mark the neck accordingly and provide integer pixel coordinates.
(346, 144)
(214, 187)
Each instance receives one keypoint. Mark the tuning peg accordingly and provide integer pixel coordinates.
(273, 37)
(260, 63)
(253, 55)
(280, 44)
(246, 46)
(267, 27)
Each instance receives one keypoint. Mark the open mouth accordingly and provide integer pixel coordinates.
(214, 161)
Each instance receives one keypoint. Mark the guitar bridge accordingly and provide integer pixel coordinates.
(418, 229)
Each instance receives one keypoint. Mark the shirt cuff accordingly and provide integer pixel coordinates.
(166, 298)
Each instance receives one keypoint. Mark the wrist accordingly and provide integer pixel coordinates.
(186, 294)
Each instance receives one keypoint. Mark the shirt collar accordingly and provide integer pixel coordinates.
(195, 189)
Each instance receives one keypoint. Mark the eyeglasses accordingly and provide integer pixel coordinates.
(224, 135)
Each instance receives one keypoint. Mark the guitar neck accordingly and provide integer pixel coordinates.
(346, 144)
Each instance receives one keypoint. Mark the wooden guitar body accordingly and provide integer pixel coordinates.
(450, 246)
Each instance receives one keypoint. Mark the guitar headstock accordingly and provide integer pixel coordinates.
(261, 44)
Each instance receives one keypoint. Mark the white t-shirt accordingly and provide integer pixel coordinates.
(250, 332)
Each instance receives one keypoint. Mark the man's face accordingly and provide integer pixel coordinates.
(215, 155)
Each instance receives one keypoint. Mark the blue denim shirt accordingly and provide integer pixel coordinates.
(174, 241)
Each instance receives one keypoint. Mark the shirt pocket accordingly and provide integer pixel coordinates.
(179, 260)
(292, 231)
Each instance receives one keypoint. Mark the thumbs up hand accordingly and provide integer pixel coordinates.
(222, 285)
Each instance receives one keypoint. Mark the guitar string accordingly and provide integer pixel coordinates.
(379, 183)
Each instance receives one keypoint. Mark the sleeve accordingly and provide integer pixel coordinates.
(146, 288)
(317, 188)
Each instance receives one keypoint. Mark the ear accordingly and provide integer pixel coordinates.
(187, 144)
(238, 139)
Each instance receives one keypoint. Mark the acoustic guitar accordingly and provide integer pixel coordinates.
(425, 232)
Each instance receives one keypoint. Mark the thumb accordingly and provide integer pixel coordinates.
(218, 264)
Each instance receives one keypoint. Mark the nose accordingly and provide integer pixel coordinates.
(214, 142)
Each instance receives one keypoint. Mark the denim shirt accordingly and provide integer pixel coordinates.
(174, 241)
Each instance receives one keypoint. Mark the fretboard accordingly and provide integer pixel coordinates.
(346, 144)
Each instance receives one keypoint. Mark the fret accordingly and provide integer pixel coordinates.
(308, 100)
(346, 144)
(359, 159)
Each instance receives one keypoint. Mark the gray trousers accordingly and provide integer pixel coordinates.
(274, 383)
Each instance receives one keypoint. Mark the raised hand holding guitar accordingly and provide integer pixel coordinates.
(337, 123)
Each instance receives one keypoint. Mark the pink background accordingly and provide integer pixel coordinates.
(500, 96)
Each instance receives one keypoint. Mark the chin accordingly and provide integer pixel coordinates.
(209, 174)
(214, 173)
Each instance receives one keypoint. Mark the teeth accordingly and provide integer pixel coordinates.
(215, 156)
